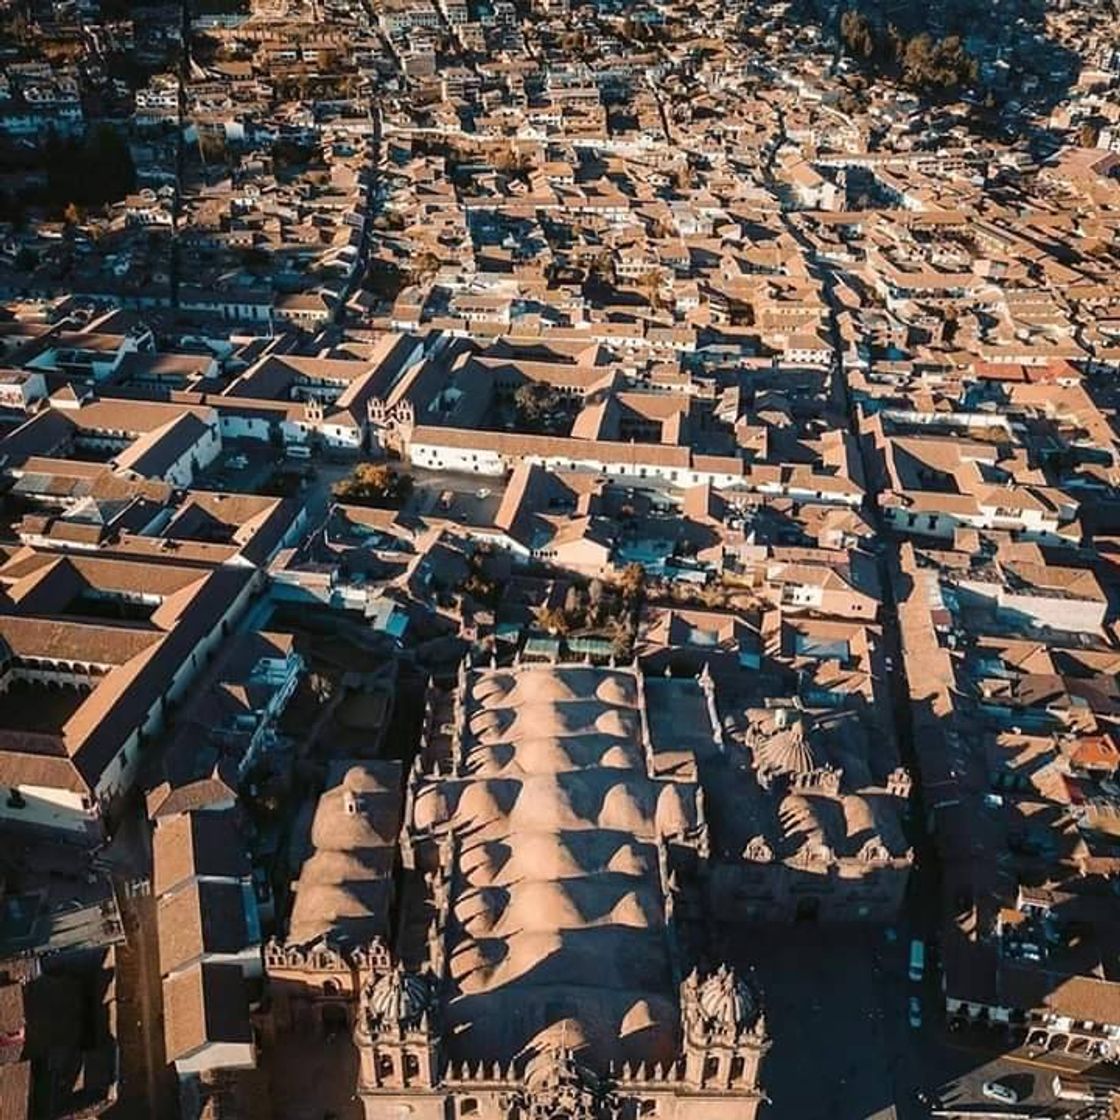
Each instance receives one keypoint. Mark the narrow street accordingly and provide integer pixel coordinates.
(147, 1081)
(881, 1075)
(357, 274)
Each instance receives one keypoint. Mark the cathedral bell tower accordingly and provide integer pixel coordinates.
(724, 1032)
(393, 1034)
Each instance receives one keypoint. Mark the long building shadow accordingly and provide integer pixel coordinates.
(837, 1002)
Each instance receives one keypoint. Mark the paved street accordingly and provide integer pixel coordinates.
(312, 1078)
(815, 986)
(841, 996)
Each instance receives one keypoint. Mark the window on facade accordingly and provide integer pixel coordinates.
(647, 1108)
(711, 1067)
(738, 1067)
(469, 1107)
(411, 1065)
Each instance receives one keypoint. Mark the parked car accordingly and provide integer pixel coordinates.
(915, 1012)
(997, 1092)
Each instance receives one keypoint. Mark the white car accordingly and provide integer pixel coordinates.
(914, 1012)
(997, 1092)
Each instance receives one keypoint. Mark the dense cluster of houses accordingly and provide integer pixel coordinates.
(642, 367)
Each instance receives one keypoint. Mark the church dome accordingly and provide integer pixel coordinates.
(788, 749)
(398, 998)
(556, 1054)
(726, 1000)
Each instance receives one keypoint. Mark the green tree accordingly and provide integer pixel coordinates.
(553, 619)
(537, 404)
(602, 268)
(920, 61)
(856, 34)
(424, 268)
(1087, 135)
(482, 589)
(374, 484)
(385, 280)
(631, 582)
(622, 635)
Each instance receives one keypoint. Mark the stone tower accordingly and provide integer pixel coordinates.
(393, 1033)
(724, 1032)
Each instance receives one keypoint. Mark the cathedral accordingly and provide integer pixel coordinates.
(549, 959)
